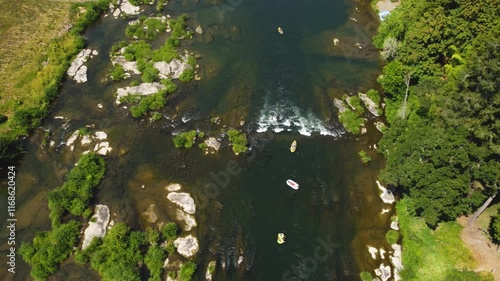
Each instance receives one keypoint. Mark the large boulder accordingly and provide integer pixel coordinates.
(97, 225)
(187, 246)
(184, 200)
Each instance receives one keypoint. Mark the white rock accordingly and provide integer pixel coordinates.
(199, 30)
(187, 246)
(126, 8)
(370, 105)
(100, 135)
(184, 200)
(208, 274)
(240, 260)
(189, 220)
(340, 105)
(373, 251)
(394, 225)
(102, 148)
(173, 187)
(386, 195)
(99, 105)
(385, 211)
(95, 52)
(173, 69)
(81, 75)
(396, 261)
(52, 143)
(143, 89)
(59, 117)
(97, 228)
(336, 41)
(130, 66)
(380, 126)
(382, 253)
(73, 138)
(86, 140)
(385, 272)
(213, 143)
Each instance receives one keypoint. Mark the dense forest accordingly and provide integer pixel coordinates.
(441, 84)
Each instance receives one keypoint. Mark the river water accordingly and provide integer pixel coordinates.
(282, 87)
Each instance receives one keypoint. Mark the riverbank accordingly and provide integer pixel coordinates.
(435, 244)
(42, 37)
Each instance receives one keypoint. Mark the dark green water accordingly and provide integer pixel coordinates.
(275, 84)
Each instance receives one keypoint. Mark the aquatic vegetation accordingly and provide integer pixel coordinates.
(150, 73)
(50, 248)
(152, 236)
(156, 116)
(238, 140)
(187, 75)
(160, 4)
(138, 2)
(187, 270)
(366, 276)
(169, 231)
(74, 195)
(364, 157)
(147, 28)
(185, 139)
(84, 131)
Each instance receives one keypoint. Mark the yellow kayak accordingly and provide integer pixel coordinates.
(281, 238)
(293, 147)
(280, 30)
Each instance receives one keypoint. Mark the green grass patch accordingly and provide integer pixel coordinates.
(187, 270)
(238, 140)
(352, 121)
(366, 276)
(185, 139)
(154, 259)
(373, 95)
(118, 73)
(392, 236)
(433, 254)
(187, 75)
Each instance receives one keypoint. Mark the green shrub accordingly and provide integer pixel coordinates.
(84, 131)
(170, 247)
(49, 249)
(138, 2)
(119, 255)
(238, 140)
(392, 236)
(28, 118)
(185, 139)
(203, 145)
(83, 256)
(166, 53)
(187, 75)
(148, 103)
(366, 276)
(152, 236)
(495, 228)
(170, 86)
(187, 270)
(150, 73)
(3, 118)
(373, 95)
(154, 259)
(178, 27)
(351, 121)
(156, 116)
(160, 5)
(169, 231)
(355, 102)
(130, 99)
(191, 61)
(135, 83)
(74, 195)
(364, 157)
(118, 73)
(138, 50)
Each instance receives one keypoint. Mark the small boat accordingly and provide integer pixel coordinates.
(293, 147)
(292, 184)
(281, 238)
(280, 30)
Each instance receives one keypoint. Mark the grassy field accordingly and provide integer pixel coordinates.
(26, 28)
(435, 254)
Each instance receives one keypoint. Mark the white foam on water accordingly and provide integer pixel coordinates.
(284, 115)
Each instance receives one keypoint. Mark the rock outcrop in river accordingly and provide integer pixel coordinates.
(187, 246)
(77, 70)
(96, 228)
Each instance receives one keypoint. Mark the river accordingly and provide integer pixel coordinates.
(282, 87)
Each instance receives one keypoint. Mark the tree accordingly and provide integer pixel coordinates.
(407, 79)
(389, 51)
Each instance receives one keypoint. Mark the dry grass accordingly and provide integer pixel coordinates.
(26, 28)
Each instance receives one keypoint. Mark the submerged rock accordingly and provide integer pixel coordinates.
(187, 246)
(97, 228)
(143, 89)
(150, 214)
(199, 30)
(184, 200)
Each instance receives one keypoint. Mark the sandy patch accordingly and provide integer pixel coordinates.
(387, 5)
